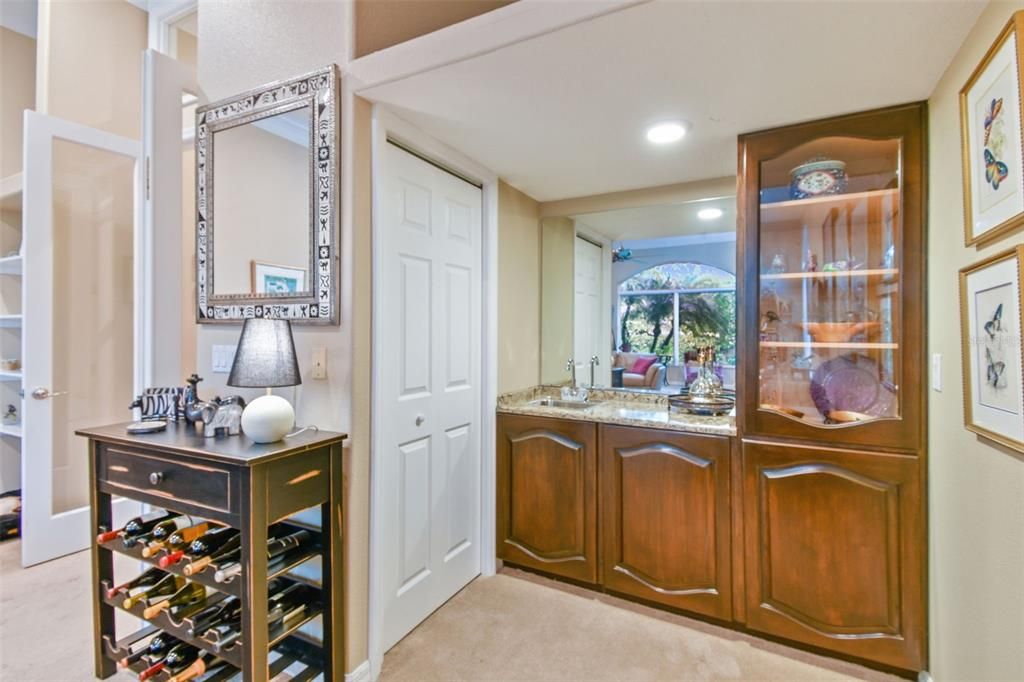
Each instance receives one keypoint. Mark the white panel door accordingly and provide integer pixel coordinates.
(587, 336)
(429, 378)
(82, 281)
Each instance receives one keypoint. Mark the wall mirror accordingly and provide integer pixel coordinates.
(266, 203)
(630, 285)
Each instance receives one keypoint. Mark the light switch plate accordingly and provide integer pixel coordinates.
(937, 372)
(223, 356)
(319, 363)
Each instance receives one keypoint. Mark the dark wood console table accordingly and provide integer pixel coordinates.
(245, 485)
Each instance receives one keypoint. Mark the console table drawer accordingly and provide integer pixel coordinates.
(198, 484)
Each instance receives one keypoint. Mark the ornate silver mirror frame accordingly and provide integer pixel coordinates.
(319, 92)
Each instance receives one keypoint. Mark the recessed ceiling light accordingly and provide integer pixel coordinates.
(709, 213)
(666, 133)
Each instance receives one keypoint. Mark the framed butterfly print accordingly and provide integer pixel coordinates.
(991, 305)
(992, 145)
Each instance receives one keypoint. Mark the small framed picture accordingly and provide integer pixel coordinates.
(991, 140)
(991, 305)
(277, 280)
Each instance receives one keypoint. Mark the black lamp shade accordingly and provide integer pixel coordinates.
(265, 356)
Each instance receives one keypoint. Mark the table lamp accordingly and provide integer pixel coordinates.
(265, 358)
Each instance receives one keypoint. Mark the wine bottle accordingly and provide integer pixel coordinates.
(281, 600)
(137, 526)
(279, 549)
(154, 650)
(144, 580)
(178, 655)
(166, 586)
(288, 543)
(215, 543)
(188, 595)
(143, 535)
(205, 663)
(227, 611)
(163, 531)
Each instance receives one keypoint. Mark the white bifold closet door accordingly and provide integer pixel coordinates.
(429, 371)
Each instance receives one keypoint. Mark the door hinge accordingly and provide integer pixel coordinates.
(147, 178)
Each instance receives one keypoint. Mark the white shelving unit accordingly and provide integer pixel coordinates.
(11, 319)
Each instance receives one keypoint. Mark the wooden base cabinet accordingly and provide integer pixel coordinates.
(547, 495)
(834, 554)
(665, 530)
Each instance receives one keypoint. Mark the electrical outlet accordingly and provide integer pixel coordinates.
(937, 372)
(222, 357)
(319, 363)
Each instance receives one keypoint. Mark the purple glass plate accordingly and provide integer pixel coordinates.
(852, 383)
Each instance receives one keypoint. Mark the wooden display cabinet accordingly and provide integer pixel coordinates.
(832, 327)
(832, 391)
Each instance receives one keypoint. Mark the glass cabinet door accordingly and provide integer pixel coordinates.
(829, 337)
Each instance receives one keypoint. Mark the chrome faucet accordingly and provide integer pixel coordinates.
(594, 362)
(570, 367)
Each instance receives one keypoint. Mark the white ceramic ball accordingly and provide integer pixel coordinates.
(268, 419)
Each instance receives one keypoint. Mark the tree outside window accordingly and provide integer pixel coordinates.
(655, 303)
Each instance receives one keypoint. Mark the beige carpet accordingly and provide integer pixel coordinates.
(515, 626)
(46, 618)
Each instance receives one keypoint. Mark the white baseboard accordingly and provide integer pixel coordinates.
(924, 676)
(360, 674)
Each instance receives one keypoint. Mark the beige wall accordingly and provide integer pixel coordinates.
(518, 290)
(243, 44)
(89, 67)
(557, 247)
(383, 23)
(976, 489)
(18, 85)
(261, 204)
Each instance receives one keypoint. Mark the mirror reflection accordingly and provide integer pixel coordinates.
(639, 289)
(262, 201)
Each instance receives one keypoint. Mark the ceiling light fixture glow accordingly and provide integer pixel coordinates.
(666, 133)
(709, 213)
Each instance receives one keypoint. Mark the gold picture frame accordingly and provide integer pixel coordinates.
(991, 106)
(991, 320)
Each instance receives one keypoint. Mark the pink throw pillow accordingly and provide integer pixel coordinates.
(642, 365)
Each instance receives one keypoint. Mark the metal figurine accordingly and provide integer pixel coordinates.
(217, 415)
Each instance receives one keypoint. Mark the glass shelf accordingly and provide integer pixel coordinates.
(829, 282)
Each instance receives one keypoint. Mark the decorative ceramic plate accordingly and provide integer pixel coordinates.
(852, 383)
(817, 177)
(146, 427)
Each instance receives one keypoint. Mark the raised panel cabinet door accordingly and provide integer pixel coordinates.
(665, 528)
(547, 495)
(835, 549)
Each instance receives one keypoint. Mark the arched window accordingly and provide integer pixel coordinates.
(656, 303)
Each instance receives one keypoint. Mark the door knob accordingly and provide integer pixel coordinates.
(44, 393)
(420, 419)
(156, 477)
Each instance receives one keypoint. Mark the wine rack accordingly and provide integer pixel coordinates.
(247, 486)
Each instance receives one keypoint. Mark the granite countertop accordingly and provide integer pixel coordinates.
(615, 406)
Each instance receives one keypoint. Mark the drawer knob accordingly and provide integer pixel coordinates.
(156, 477)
